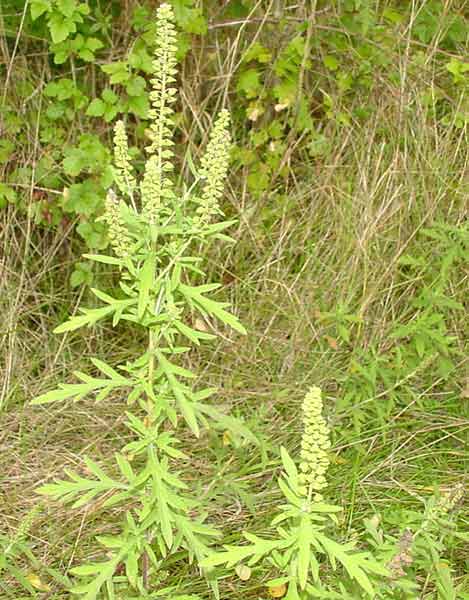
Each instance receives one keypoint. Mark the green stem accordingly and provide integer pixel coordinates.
(151, 363)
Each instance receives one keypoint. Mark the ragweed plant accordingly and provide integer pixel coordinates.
(416, 557)
(152, 228)
(301, 527)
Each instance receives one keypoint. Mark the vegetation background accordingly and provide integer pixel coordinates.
(349, 183)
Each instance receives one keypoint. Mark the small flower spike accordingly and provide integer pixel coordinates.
(118, 234)
(123, 177)
(214, 167)
(157, 187)
(314, 445)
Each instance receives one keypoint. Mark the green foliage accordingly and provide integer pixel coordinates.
(292, 82)
(18, 563)
(301, 537)
(417, 553)
(422, 340)
(299, 90)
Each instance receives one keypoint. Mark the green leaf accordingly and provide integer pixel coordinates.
(80, 390)
(93, 44)
(118, 72)
(186, 405)
(354, 563)
(89, 318)
(102, 258)
(66, 7)
(125, 467)
(190, 19)
(109, 96)
(289, 494)
(305, 534)
(82, 274)
(53, 396)
(136, 86)
(331, 62)
(104, 297)
(211, 306)
(94, 234)
(131, 568)
(96, 108)
(111, 112)
(60, 27)
(39, 7)
(139, 105)
(73, 164)
(236, 554)
(90, 569)
(108, 370)
(164, 512)
(257, 52)
(104, 574)
(83, 9)
(7, 148)
(140, 59)
(289, 465)
(234, 425)
(80, 490)
(146, 278)
(192, 334)
(86, 55)
(7, 194)
(249, 83)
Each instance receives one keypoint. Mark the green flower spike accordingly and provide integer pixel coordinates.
(123, 177)
(118, 234)
(156, 186)
(214, 167)
(314, 445)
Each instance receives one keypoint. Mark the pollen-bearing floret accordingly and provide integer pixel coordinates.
(154, 199)
(214, 168)
(123, 176)
(315, 443)
(157, 186)
(118, 233)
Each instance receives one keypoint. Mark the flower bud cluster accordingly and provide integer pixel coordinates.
(156, 190)
(446, 504)
(214, 168)
(315, 443)
(156, 187)
(163, 94)
(451, 498)
(118, 234)
(123, 177)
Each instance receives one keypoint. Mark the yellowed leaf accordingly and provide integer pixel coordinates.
(243, 572)
(36, 582)
(277, 591)
(148, 421)
(335, 459)
(227, 439)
